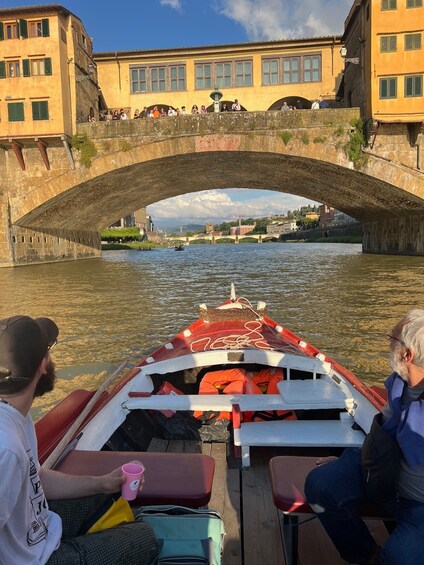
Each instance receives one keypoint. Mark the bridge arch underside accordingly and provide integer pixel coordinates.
(99, 201)
(63, 216)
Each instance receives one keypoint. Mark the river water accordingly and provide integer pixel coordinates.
(125, 304)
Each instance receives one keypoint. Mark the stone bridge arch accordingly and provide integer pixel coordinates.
(140, 162)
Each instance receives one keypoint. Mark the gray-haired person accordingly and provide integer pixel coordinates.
(334, 489)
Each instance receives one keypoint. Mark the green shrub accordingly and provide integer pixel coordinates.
(126, 146)
(286, 136)
(339, 131)
(356, 142)
(86, 148)
(319, 139)
(305, 138)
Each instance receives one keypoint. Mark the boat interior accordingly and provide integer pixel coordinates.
(159, 409)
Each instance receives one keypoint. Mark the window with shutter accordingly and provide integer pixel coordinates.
(47, 66)
(2, 69)
(413, 86)
(37, 67)
(36, 28)
(23, 28)
(388, 44)
(15, 111)
(40, 110)
(46, 28)
(412, 41)
(388, 87)
(25, 68)
(1, 31)
(388, 5)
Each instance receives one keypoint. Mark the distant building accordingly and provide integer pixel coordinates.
(326, 215)
(209, 228)
(260, 74)
(312, 215)
(241, 230)
(384, 60)
(48, 77)
(330, 217)
(278, 228)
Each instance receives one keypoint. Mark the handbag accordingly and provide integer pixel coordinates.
(187, 536)
(113, 512)
(380, 462)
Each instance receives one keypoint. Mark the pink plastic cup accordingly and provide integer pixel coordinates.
(133, 474)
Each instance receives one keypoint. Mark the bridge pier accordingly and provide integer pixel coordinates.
(396, 236)
(25, 246)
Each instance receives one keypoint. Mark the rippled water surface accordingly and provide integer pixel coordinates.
(127, 303)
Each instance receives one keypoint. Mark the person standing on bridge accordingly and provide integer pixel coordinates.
(33, 531)
(334, 489)
(236, 106)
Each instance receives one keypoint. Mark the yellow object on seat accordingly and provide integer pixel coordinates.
(118, 512)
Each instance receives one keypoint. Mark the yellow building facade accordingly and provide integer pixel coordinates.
(386, 37)
(259, 75)
(48, 78)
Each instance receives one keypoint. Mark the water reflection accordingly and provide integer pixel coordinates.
(125, 304)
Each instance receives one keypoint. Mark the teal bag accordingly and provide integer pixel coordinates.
(187, 536)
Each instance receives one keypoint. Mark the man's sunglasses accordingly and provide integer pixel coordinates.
(52, 345)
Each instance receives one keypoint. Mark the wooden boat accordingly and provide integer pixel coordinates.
(317, 406)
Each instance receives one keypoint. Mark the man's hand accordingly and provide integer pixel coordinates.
(113, 481)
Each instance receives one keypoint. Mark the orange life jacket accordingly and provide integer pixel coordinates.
(266, 381)
(226, 381)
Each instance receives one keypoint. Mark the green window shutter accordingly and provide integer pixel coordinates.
(1, 31)
(26, 69)
(47, 66)
(15, 111)
(2, 69)
(40, 110)
(23, 28)
(45, 27)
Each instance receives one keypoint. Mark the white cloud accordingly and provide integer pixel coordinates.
(224, 205)
(175, 4)
(286, 19)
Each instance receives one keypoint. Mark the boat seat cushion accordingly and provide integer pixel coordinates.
(171, 478)
(288, 474)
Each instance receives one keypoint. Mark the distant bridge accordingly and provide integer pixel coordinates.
(260, 238)
(52, 207)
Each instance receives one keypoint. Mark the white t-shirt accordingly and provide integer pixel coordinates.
(29, 531)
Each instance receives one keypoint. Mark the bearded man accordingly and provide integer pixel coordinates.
(30, 533)
(334, 489)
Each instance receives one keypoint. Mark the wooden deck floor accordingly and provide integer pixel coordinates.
(252, 523)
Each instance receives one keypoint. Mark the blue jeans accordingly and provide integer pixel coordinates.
(336, 487)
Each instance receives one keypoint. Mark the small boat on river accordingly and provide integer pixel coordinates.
(241, 386)
(179, 247)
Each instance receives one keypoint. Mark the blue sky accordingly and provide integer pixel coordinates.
(155, 24)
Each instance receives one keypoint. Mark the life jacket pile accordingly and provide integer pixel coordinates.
(240, 381)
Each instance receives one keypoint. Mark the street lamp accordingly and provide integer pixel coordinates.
(343, 53)
(216, 96)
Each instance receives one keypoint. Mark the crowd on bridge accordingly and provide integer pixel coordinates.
(161, 112)
(165, 111)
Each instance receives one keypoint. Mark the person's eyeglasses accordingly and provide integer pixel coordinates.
(390, 337)
(52, 345)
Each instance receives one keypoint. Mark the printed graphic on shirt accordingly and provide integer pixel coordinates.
(38, 529)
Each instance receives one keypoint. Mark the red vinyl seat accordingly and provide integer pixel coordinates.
(170, 478)
(288, 474)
